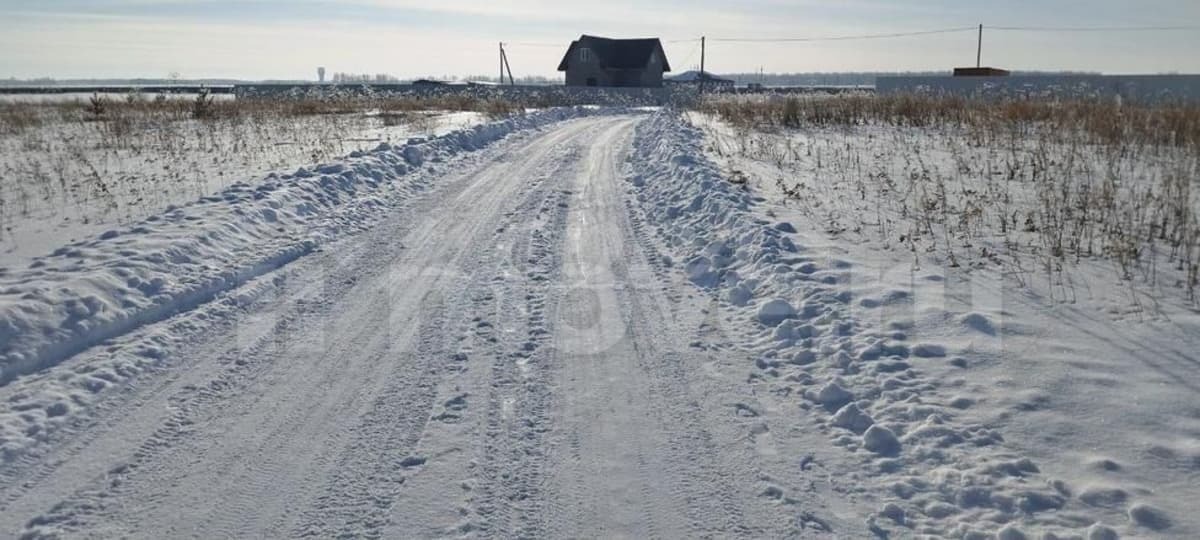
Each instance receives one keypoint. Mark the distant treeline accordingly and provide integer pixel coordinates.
(866, 78)
(346, 78)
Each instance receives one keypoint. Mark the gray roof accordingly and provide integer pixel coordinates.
(696, 76)
(618, 53)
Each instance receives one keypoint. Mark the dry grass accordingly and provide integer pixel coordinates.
(1033, 185)
(18, 117)
(108, 157)
(1100, 121)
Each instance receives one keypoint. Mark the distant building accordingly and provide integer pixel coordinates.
(321, 74)
(980, 72)
(700, 77)
(597, 61)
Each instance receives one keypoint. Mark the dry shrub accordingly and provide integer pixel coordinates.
(15, 118)
(497, 108)
(390, 118)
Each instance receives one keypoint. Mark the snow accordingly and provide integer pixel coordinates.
(461, 329)
(67, 181)
(1015, 412)
(881, 440)
(574, 324)
(852, 418)
(94, 290)
(774, 312)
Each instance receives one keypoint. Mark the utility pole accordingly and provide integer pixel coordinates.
(501, 62)
(702, 39)
(979, 49)
(511, 81)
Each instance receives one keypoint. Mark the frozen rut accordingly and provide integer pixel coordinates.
(503, 358)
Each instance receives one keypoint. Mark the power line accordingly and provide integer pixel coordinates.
(908, 34)
(531, 44)
(692, 54)
(846, 38)
(1092, 28)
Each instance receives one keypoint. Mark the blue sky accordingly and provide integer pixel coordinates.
(289, 39)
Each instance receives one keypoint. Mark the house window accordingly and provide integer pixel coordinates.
(585, 55)
(654, 57)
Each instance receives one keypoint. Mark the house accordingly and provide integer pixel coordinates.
(597, 61)
(700, 77)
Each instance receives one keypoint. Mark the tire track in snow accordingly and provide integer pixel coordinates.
(491, 187)
(611, 481)
(525, 395)
(633, 454)
(360, 508)
(368, 474)
(168, 374)
(486, 474)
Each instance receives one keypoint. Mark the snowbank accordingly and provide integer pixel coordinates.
(934, 467)
(91, 291)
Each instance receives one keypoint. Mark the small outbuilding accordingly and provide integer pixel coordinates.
(980, 72)
(598, 61)
(697, 78)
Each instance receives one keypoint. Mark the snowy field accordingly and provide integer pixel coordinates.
(67, 174)
(594, 322)
(1054, 274)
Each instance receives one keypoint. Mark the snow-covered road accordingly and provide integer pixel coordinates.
(567, 324)
(501, 358)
